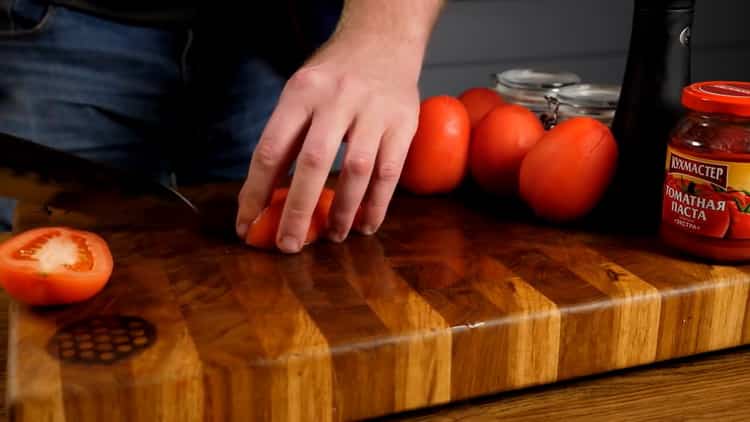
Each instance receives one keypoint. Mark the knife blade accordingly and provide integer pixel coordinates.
(42, 175)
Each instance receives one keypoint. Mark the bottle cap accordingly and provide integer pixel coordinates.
(718, 97)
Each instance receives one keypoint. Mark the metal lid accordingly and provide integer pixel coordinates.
(590, 96)
(723, 97)
(530, 79)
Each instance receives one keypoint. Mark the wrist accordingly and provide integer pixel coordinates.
(382, 35)
(379, 50)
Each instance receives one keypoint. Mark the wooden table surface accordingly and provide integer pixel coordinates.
(674, 390)
(711, 386)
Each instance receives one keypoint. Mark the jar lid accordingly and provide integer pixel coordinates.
(590, 96)
(718, 97)
(531, 79)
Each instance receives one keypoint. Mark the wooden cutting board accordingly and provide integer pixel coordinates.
(447, 302)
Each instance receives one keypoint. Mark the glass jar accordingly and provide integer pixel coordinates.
(706, 204)
(529, 87)
(588, 100)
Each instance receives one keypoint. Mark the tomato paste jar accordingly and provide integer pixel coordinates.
(706, 206)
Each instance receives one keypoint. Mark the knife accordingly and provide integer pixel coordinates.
(38, 174)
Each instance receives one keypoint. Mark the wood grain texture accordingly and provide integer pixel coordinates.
(712, 387)
(658, 392)
(33, 374)
(424, 364)
(449, 301)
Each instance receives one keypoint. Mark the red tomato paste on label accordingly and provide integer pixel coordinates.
(706, 207)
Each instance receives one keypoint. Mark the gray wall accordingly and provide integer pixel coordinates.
(476, 38)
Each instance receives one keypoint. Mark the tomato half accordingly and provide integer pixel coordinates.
(323, 211)
(262, 232)
(54, 266)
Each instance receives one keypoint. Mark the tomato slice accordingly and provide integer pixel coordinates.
(323, 211)
(279, 195)
(54, 266)
(262, 232)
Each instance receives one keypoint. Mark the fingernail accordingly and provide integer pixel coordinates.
(289, 244)
(242, 230)
(368, 230)
(337, 236)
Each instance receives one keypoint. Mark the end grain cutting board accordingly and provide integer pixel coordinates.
(445, 303)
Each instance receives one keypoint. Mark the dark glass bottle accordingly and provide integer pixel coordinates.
(658, 68)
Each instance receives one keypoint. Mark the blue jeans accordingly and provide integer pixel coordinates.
(186, 103)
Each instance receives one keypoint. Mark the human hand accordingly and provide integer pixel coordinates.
(362, 88)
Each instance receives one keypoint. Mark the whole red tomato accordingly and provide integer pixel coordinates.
(498, 145)
(479, 102)
(739, 211)
(567, 172)
(438, 155)
(717, 221)
(739, 198)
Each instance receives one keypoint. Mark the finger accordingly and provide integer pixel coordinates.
(314, 162)
(272, 158)
(388, 166)
(359, 160)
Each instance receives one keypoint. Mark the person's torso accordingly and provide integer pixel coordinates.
(143, 12)
(285, 31)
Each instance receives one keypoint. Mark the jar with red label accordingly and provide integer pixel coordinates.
(706, 207)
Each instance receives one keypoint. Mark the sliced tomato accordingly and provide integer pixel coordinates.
(323, 209)
(54, 266)
(279, 195)
(262, 232)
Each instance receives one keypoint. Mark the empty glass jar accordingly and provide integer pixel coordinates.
(588, 100)
(529, 87)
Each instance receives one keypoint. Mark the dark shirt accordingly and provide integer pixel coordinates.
(284, 31)
(316, 17)
(141, 12)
